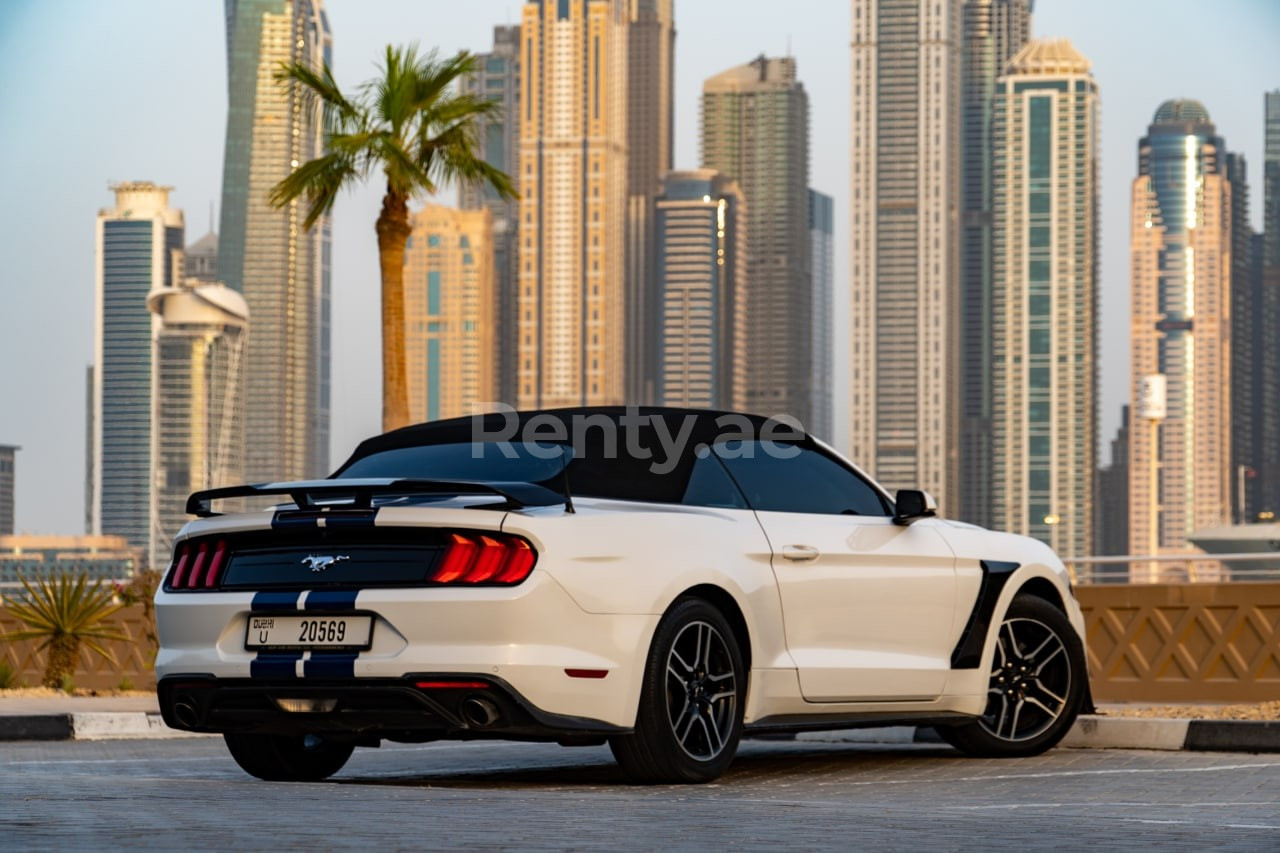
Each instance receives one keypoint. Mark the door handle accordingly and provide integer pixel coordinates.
(799, 553)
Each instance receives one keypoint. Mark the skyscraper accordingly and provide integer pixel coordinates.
(263, 252)
(139, 247)
(450, 312)
(1180, 239)
(994, 30)
(497, 77)
(7, 478)
(822, 249)
(1044, 318)
(904, 202)
(1267, 336)
(1247, 368)
(197, 400)
(573, 185)
(651, 42)
(755, 130)
(700, 282)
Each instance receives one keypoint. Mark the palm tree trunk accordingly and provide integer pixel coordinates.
(64, 650)
(393, 232)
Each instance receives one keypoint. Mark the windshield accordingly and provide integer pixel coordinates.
(486, 462)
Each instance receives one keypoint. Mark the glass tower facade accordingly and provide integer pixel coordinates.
(755, 130)
(139, 246)
(451, 315)
(497, 77)
(7, 478)
(905, 148)
(994, 30)
(263, 252)
(1044, 319)
(573, 188)
(1180, 436)
(822, 249)
(700, 279)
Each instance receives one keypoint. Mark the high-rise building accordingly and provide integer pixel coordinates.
(993, 31)
(1247, 370)
(904, 209)
(7, 480)
(822, 250)
(200, 260)
(497, 77)
(450, 312)
(139, 249)
(572, 180)
(1044, 317)
(1111, 508)
(197, 432)
(651, 43)
(1180, 239)
(755, 130)
(1267, 327)
(264, 252)
(700, 281)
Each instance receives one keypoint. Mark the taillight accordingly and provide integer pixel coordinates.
(198, 565)
(489, 558)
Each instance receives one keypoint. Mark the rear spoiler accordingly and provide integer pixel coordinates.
(308, 494)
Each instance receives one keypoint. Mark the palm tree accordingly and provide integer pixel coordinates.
(410, 123)
(66, 613)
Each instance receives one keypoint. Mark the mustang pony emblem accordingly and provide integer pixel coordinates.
(319, 564)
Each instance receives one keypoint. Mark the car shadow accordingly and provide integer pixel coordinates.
(756, 761)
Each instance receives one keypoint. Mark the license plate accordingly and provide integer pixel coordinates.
(293, 633)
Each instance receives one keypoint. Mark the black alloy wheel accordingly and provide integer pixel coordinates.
(1036, 687)
(690, 716)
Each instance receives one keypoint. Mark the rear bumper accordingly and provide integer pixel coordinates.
(414, 708)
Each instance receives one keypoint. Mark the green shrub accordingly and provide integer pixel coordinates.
(8, 678)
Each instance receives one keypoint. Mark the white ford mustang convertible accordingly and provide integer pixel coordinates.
(663, 580)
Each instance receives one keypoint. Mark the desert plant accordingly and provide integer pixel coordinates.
(412, 125)
(65, 613)
(8, 678)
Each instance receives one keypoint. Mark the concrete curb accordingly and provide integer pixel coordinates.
(1094, 732)
(91, 725)
(1089, 732)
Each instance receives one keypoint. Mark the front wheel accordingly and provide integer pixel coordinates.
(1036, 687)
(690, 715)
(289, 758)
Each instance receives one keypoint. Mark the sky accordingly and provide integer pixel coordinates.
(92, 93)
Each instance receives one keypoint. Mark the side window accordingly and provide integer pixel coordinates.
(798, 479)
(710, 485)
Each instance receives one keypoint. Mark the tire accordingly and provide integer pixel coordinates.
(289, 758)
(690, 717)
(1037, 685)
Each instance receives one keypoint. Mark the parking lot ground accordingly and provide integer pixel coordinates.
(187, 793)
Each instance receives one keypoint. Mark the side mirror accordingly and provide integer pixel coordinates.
(913, 505)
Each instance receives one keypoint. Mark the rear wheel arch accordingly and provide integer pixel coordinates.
(722, 600)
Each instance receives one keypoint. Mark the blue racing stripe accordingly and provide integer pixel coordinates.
(274, 601)
(275, 665)
(332, 599)
(330, 665)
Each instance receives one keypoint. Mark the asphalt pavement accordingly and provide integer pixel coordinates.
(188, 794)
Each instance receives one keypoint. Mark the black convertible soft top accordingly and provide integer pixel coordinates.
(638, 453)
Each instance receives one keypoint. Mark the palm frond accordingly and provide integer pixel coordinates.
(319, 181)
(319, 89)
